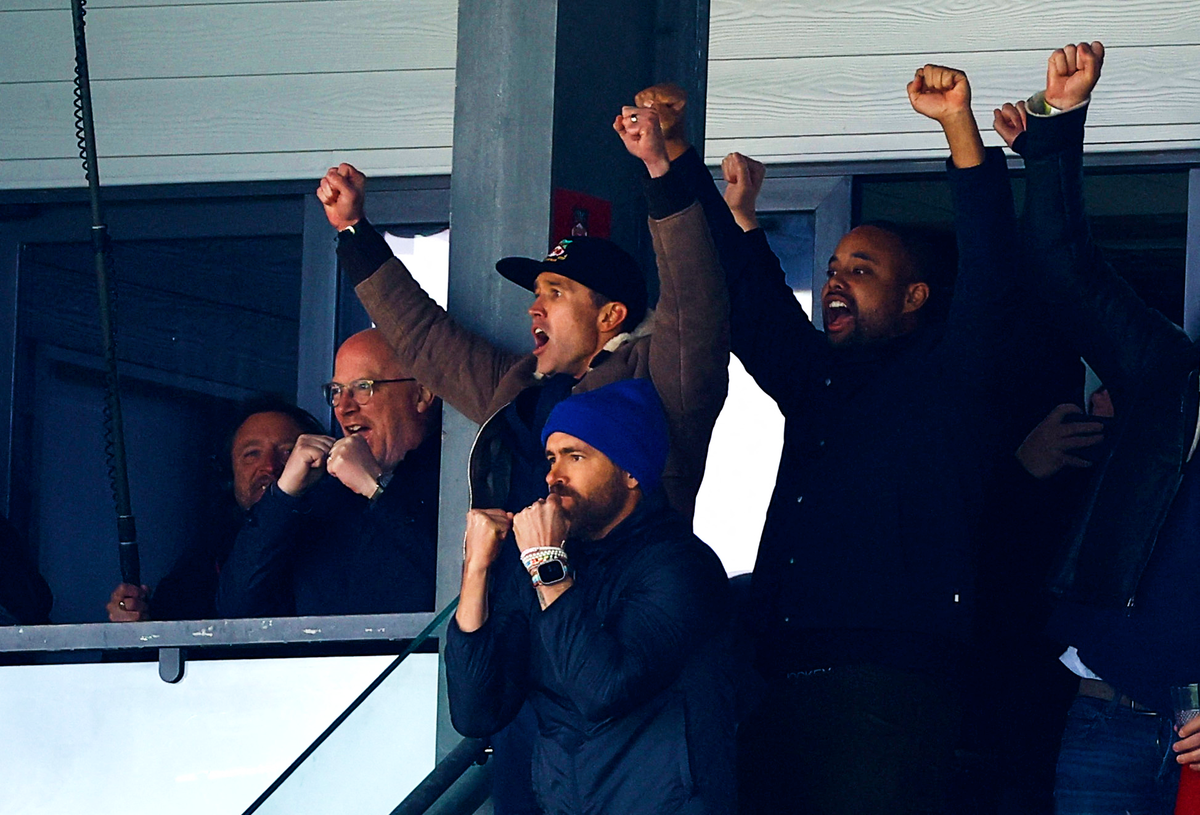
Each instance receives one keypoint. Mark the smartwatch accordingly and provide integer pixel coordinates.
(549, 573)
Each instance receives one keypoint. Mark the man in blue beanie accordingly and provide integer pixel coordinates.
(618, 636)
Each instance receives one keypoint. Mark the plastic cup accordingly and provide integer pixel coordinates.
(1185, 700)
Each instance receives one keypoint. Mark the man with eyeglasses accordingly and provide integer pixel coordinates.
(350, 527)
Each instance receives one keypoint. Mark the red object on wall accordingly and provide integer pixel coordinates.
(1187, 802)
(577, 213)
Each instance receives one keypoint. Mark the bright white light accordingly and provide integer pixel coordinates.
(427, 257)
(742, 462)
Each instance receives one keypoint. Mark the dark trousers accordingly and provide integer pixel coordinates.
(512, 766)
(852, 740)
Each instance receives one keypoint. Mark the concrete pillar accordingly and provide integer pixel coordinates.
(538, 85)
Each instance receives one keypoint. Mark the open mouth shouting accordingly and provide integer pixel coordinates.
(540, 339)
(838, 313)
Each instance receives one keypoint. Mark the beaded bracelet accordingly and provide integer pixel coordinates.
(535, 556)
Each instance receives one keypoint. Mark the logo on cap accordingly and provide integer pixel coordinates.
(559, 252)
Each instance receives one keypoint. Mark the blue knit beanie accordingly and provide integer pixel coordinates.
(624, 421)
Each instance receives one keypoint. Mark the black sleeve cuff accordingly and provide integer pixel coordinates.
(1046, 135)
(1018, 145)
(757, 237)
(361, 250)
(667, 195)
(692, 170)
(994, 161)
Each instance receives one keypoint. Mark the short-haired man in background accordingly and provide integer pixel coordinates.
(252, 457)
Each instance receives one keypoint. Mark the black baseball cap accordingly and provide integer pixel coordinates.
(597, 263)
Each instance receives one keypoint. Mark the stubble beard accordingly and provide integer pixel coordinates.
(588, 515)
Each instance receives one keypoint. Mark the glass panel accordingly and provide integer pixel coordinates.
(791, 235)
(426, 253)
(113, 738)
(220, 310)
(1140, 224)
(358, 764)
(169, 435)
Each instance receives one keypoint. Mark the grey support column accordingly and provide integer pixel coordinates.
(682, 57)
(539, 83)
(10, 249)
(318, 310)
(1191, 270)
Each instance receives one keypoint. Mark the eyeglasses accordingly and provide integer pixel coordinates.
(361, 390)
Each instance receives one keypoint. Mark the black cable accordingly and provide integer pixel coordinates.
(114, 433)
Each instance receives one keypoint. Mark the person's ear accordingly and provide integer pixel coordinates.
(425, 399)
(612, 314)
(631, 483)
(915, 296)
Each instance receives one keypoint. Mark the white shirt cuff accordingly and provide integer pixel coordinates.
(1037, 105)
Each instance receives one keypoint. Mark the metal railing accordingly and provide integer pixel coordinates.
(412, 646)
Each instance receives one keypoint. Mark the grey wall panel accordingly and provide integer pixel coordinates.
(747, 29)
(835, 147)
(36, 46)
(793, 81)
(254, 90)
(63, 172)
(225, 40)
(163, 117)
(244, 127)
(838, 106)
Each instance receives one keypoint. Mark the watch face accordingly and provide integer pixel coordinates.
(551, 572)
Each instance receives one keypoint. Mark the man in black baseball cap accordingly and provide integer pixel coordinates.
(589, 297)
(605, 268)
(588, 291)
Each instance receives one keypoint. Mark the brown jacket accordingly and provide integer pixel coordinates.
(686, 354)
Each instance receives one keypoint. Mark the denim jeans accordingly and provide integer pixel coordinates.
(1115, 761)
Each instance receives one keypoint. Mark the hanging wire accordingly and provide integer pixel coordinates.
(114, 435)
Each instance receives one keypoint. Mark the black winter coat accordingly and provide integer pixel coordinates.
(1148, 364)
(627, 672)
(866, 553)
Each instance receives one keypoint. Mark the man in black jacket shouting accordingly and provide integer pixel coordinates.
(863, 589)
(616, 630)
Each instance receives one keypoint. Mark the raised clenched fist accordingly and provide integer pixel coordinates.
(641, 132)
(940, 92)
(342, 192)
(1072, 72)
